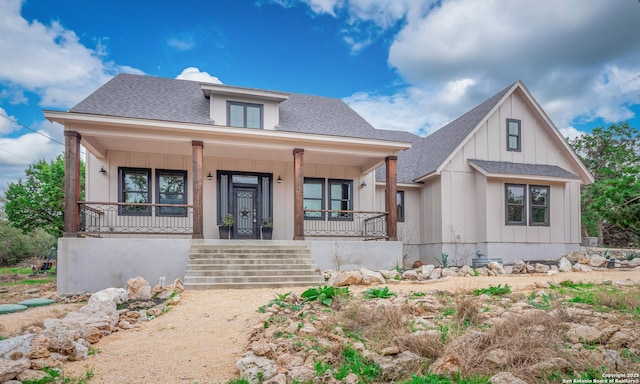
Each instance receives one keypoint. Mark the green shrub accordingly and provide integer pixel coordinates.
(324, 294)
(493, 290)
(16, 246)
(378, 293)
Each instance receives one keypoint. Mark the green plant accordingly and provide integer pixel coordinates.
(443, 258)
(493, 290)
(268, 223)
(324, 295)
(632, 256)
(449, 311)
(54, 375)
(227, 221)
(238, 381)
(378, 293)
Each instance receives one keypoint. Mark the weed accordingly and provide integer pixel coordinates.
(431, 378)
(449, 311)
(93, 351)
(238, 381)
(54, 375)
(476, 273)
(493, 290)
(351, 362)
(378, 293)
(417, 294)
(324, 295)
(443, 258)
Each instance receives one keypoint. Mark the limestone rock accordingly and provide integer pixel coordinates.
(482, 271)
(393, 367)
(256, 368)
(541, 268)
(426, 270)
(564, 265)
(370, 277)
(393, 350)
(138, 289)
(10, 369)
(410, 274)
(612, 359)
(449, 272)
(262, 348)
(31, 375)
(466, 271)
(15, 345)
(506, 378)
(579, 333)
(597, 261)
(581, 268)
(101, 314)
(553, 364)
(519, 266)
(446, 364)
(530, 268)
(635, 262)
(302, 374)
(496, 267)
(112, 295)
(435, 274)
(390, 275)
(280, 378)
(341, 279)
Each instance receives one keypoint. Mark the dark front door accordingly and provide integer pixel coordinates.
(245, 214)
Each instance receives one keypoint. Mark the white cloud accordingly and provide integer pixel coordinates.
(194, 74)
(184, 43)
(48, 59)
(6, 123)
(571, 133)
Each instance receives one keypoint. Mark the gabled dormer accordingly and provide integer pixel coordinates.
(243, 107)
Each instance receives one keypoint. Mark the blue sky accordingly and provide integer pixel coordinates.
(409, 65)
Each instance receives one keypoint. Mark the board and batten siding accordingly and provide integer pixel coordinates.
(474, 206)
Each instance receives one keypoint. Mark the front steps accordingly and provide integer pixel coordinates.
(249, 264)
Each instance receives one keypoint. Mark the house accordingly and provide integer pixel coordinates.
(167, 160)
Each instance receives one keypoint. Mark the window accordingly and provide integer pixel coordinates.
(514, 138)
(515, 200)
(133, 187)
(313, 196)
(340, 199)
(244, 115)
(171, 188)
(400, 206)
(538, 205)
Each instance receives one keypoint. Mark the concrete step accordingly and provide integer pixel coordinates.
(244, 272)
(309, 279)
(249, 265)
(248, 285)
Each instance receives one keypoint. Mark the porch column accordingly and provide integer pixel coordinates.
(196, 149)
(392, 213)
(298, 197)
(71, 183)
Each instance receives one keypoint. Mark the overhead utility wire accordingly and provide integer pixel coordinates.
(15, 154)
(31, 129)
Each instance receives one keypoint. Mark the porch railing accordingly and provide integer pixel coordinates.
(97, 218)
(357, 224)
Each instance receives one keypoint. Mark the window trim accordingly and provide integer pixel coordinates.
(347, 216)
(507, 204)
(518, 136)
(123, 209)
(400, 208)
(547, 206)
(182, 212)
(315, 180)
(244, 106)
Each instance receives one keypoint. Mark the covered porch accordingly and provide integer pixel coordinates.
(256, 176)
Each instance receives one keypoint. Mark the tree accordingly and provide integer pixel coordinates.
(38, 202)
(612, 155)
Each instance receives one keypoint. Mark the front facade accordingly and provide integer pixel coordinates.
(174, 159)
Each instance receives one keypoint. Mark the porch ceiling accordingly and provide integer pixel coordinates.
(134, 135)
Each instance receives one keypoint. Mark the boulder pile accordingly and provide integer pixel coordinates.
(71, 338)
(573, 262)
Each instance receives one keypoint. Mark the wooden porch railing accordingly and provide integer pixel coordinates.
(356, 224)
(98, 218)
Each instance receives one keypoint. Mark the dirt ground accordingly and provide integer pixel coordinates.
(200, 339)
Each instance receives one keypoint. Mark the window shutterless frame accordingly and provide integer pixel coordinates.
(514, 135)
(340, 199)
(515, 204)
(171, 188)
(400, 206)
(244, 115)
(539, 205)
(313, 197)
(134, 186)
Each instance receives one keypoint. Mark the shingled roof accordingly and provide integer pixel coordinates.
(428, 153)
(509, 168)
(155, 98)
